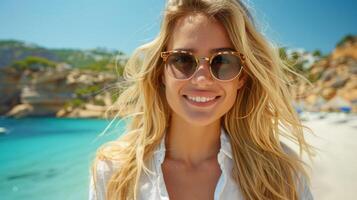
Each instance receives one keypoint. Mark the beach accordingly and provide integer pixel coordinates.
(334, 168)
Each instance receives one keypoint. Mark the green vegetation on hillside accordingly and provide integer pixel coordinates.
(347, 38)
(33, 63)
(84, 58)
(105, 65)
(298, 63)
(13, 50)
(293, 60)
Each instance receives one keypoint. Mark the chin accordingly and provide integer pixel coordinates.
(200, 119)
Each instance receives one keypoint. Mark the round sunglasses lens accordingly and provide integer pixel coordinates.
(226, 66)
(181, 65)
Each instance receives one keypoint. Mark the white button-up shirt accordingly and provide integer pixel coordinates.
(152, 186)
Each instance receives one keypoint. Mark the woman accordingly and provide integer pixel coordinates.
(207, 103)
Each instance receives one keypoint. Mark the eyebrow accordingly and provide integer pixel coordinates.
(211, 51)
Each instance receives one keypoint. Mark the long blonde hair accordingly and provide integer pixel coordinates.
(261, 115)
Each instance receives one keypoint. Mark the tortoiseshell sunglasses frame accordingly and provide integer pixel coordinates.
(166, 54)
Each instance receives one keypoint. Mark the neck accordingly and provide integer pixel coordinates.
(192, 144)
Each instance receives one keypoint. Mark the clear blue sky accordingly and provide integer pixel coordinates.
(126, 24)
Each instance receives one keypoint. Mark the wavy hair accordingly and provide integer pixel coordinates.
(261, 115)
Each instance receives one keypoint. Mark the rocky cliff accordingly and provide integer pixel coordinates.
(55, 92)
(37, 81)
(334, 81)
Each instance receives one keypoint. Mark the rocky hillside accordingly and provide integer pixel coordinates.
(334, 81)
(57, 91)
(36, 81)
(13, 50)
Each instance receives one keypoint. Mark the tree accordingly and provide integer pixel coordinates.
(33, 63)
(347, 38)
(316, 53)
(282, 53)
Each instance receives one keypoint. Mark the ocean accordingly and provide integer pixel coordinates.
(49, 158)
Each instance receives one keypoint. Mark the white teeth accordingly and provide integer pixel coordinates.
(200, 99)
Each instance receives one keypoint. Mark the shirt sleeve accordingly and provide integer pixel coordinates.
(97, 188)
(303, 187)
(304, 190)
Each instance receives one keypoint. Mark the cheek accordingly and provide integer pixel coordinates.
(231, 92)
(231, 99)
(172, 89)
(173, 99)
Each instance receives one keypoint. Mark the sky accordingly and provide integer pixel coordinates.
(126, 24)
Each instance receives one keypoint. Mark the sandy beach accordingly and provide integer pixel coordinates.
(334, 169)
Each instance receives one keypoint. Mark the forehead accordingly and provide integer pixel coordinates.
(199, 32)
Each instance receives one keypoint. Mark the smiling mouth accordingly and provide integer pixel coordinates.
(201, 100)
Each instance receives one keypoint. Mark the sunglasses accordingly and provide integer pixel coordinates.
(224, 65)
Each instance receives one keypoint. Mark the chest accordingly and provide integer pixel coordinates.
(191, 183)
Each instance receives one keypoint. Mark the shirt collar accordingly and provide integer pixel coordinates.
(225, 148)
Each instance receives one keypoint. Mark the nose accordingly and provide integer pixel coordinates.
(203, 76)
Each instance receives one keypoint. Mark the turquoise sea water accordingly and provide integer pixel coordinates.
(49, 158)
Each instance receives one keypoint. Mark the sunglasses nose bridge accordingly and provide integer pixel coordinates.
(202, 70)
(201, 62)
(203, 59)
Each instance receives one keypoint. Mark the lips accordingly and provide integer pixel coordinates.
(200, 98)
(201, 101)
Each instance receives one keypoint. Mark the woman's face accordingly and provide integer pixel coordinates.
(204, 37)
